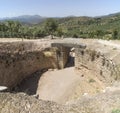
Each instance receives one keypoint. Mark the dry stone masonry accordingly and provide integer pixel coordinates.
(102, 61)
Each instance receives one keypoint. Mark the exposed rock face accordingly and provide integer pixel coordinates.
(19, 60)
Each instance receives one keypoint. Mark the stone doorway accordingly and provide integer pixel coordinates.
(71, 58)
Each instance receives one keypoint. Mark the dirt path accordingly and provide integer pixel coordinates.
(58, 85)
(109, 43)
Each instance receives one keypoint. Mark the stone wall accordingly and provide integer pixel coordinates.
(101, 66)
(62, 56)
(63, 51)
(18, 61)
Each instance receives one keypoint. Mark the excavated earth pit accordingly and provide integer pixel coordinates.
(62, 71)
(62, 83)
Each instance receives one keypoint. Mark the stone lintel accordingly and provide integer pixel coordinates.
(83, 46)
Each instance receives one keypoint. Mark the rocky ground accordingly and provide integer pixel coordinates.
(21, 103)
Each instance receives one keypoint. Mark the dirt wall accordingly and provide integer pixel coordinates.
(20, 60)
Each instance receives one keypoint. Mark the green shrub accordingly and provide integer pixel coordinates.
(91, 80)
(116, 111)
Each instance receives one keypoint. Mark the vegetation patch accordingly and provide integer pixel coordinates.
(86, 27)
(91, 80)
(116, 111)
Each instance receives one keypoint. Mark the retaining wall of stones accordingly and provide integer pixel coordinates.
(107, 70)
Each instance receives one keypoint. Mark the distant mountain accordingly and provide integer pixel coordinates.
(28, 19)
(74, 20)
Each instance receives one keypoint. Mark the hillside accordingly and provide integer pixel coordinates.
(104, 27)
(90, 26)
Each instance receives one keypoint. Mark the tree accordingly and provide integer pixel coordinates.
(51, 26)
(99, 33)
(3, 29)
(115, 34)
(59, 32)
(10, 26)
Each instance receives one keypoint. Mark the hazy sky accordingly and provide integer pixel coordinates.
(55, 8)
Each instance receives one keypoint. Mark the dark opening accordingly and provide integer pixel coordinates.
(71, 58)
(30, 84)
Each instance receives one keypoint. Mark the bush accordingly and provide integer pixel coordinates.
(116, 111)
(91, 80)
(75, 36)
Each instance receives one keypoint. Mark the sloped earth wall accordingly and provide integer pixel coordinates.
(20, 60)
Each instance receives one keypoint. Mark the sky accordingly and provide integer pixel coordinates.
(58, 8)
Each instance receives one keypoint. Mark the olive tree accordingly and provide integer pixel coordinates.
(51, 26)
